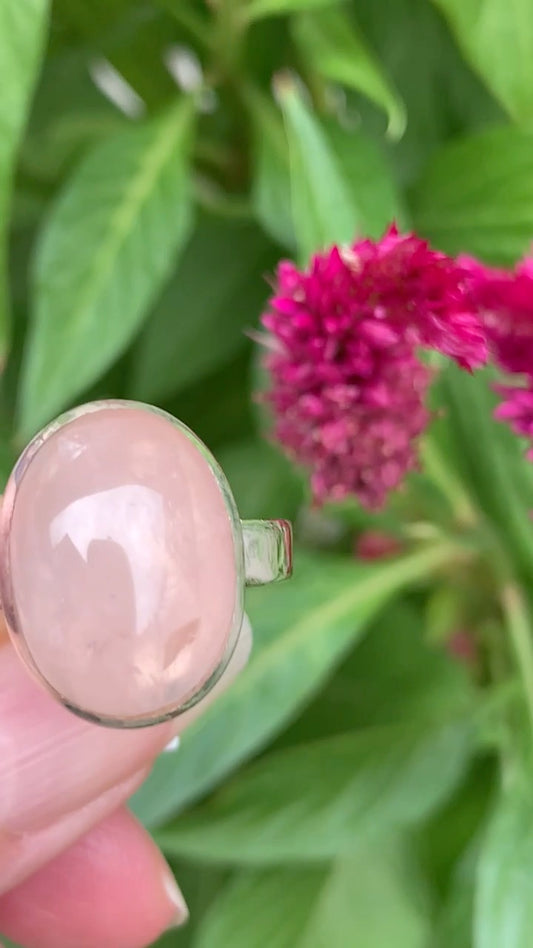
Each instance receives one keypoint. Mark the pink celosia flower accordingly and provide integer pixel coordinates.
(504, 299)
(517, 410)
(348, 390)
(422, 292)
(463, 646)
(505, 302)
(373, 545)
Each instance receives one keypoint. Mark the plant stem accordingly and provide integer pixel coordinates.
(216, 201)
(195, 24)
(518, 624)
(447, 481)
(228, 36)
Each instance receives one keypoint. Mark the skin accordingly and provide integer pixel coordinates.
(76, 868)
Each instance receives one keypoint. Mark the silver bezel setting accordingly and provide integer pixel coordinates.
(6, 587)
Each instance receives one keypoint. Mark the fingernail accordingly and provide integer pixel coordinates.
(180, 911)
(53, 763)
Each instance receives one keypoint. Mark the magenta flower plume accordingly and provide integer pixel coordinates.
(348, 390)
(422, 292)
(516, 408)
(505, 302)
(504, 299)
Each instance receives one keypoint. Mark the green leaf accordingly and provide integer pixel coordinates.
(476, 196)
(258, 9)
(107, 247)
(358, 162)
(272, 907)
(368, 173)
(453, 925)
(496, 38)
(271, 184)
(323, 208)
(326, 798)
(373, 901)
(332, 44)
(351, 908)
(447, 843)
(443, 98)
(484, 446)
(22, 36)
(393, 675)
(214, 295)
(50, 153)
(301, 632)
(504, 896)
(340, 183)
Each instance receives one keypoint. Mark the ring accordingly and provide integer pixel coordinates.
(123, 563)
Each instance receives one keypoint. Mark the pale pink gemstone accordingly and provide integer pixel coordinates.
(123, 565)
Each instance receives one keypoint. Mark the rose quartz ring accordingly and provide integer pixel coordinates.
(123, 563)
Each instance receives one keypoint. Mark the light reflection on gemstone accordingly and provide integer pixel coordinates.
(133, 518)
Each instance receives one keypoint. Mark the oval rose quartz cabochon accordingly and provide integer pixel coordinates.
(122, 561)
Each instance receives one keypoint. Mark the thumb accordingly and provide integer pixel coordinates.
(75, 769)
(53, 763)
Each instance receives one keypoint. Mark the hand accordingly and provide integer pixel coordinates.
(76, 868)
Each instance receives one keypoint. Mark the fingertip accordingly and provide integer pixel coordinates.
(112, 888)
(175, 896)
(22, 855)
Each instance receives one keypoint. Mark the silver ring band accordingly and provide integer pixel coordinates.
(267, 551)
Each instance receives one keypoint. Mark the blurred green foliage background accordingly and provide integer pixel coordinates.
(156, 160)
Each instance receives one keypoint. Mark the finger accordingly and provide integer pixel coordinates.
(52, 763)
(111, 888)
(22, 854)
